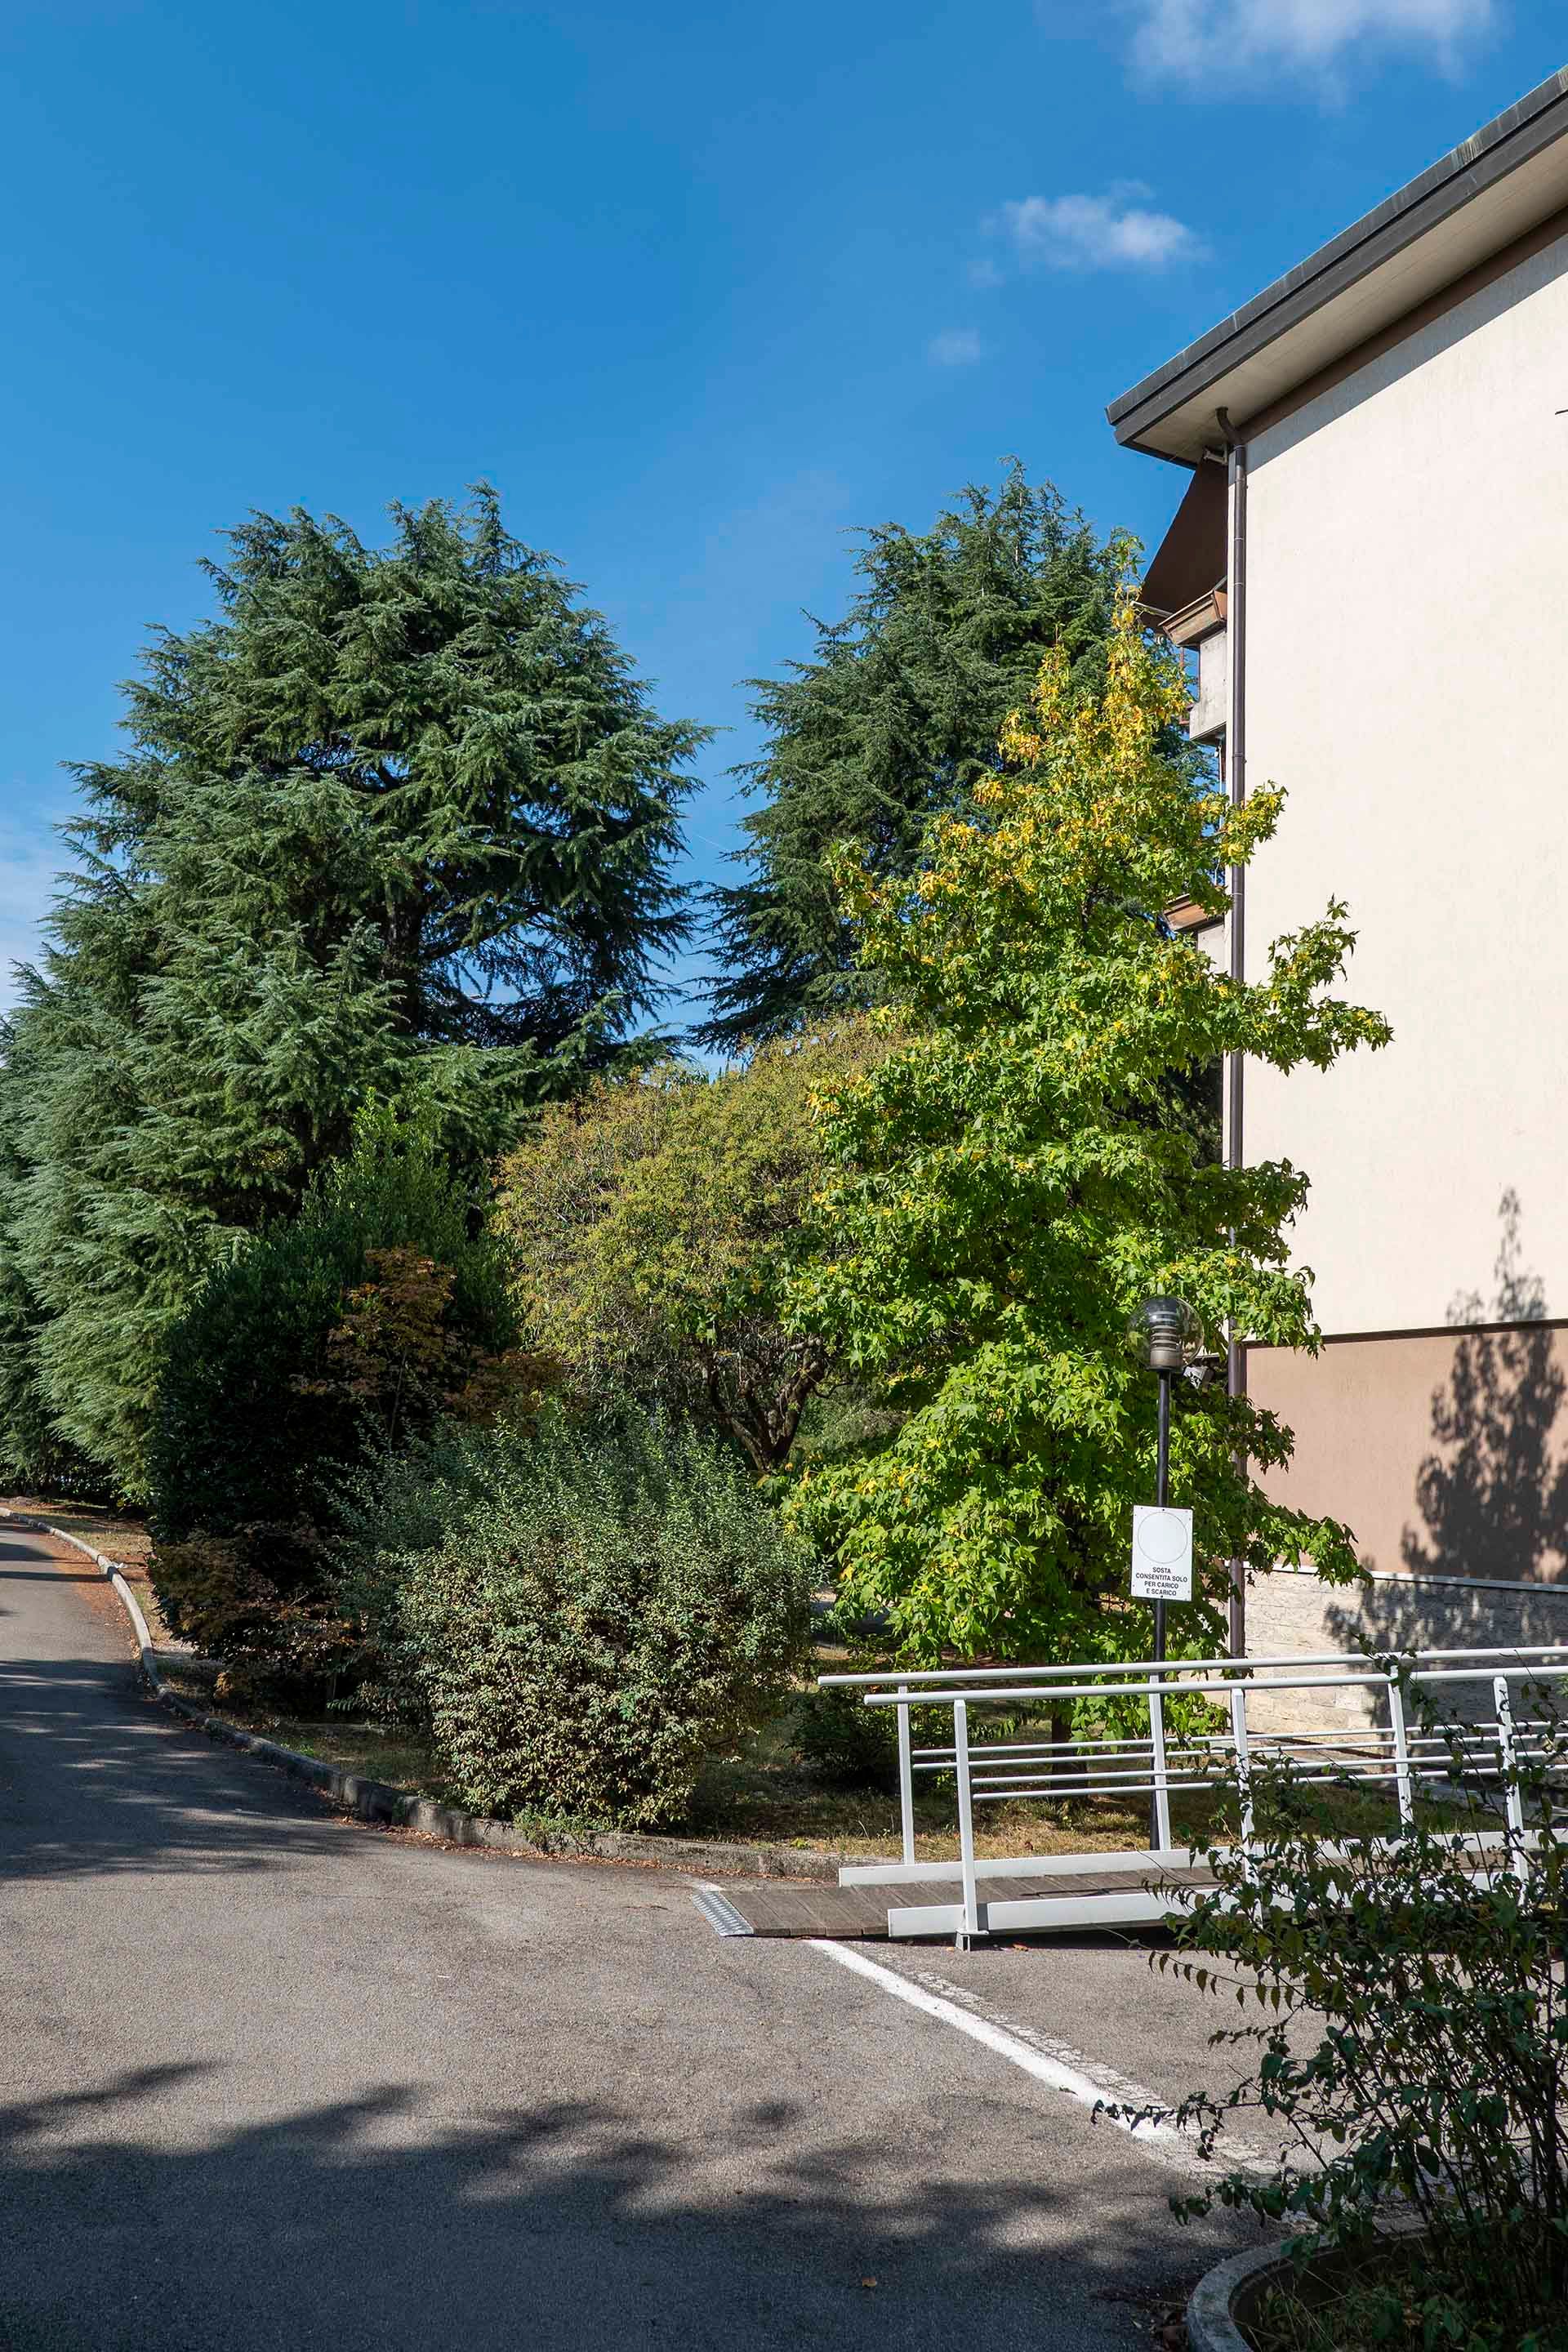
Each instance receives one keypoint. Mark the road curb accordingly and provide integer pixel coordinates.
(1210, 2328)
(376, 1801)
(1237, 2283)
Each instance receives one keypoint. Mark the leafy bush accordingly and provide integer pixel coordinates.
(836, 1738)
(236, 1439)
(1413, 2049)
(339, 1334)
(260, 1600)
(374, 1309)
(579, 1611)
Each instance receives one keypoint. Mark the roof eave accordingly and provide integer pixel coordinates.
(1326, 278)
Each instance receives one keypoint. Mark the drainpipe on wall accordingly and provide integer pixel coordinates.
(1236, 779)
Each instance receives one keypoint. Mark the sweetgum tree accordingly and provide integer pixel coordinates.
(1004, 1192)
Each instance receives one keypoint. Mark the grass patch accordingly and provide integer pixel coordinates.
(1365, 2304)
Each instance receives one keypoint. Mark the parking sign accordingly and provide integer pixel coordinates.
(1161, 1554)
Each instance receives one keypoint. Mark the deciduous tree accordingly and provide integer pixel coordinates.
(1001, 1197)
(655, 1223)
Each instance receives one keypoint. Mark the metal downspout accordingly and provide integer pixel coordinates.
(1236, 779)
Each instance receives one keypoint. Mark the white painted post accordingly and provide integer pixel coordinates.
(906, 1773)
(1243, 1758)
(1162, 1778)
(1401, 1753)
(1513, 1802)
(965, 1820)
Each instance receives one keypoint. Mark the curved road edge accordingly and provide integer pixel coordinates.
(378, 1802)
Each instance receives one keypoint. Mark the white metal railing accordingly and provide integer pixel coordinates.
(1492, 1738)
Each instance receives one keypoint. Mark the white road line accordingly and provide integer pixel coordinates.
(1054, 2064)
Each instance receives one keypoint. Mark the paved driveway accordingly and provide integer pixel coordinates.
(268, 2079)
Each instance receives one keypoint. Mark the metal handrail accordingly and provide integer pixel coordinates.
(1012, 1696)
(1181, 1666)
(1373, 1755)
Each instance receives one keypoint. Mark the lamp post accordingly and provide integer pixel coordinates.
(1168, 1334)
(1168, 1331)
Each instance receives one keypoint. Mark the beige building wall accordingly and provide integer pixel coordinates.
(1446, 1452)
(1406, 676)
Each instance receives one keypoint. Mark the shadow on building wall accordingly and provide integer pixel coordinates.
(1492, 1492)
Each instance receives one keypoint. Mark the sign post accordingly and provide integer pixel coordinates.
(1166, 1330)
(1162, 1572)
(1161, 1560)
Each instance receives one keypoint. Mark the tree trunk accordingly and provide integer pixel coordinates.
(1061, 1732)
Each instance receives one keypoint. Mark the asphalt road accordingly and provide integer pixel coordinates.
(271, 2081)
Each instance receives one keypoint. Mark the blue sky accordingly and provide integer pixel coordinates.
(701, 288)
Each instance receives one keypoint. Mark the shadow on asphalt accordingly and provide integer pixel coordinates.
(572, 2228)
(43, 1575)
(110, 1784)
(231, 2205)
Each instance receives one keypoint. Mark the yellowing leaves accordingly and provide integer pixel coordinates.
(1013, 1179)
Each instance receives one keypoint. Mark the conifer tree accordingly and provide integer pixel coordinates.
(396, 819)
(893, 722)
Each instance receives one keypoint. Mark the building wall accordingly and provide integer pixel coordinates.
(1446, 1452)
(1407, 563)
(1290, 1614)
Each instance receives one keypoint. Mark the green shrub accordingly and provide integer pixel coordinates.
(236, 1440)
(1410, 2048)
(371, 1310)
(260, 1599)
(580, 1612)
(838, 1739)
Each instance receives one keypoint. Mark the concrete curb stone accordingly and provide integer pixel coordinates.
(1210, 2328)
(375, 1800)
(1240, 2281)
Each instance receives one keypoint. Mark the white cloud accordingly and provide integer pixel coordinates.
(1109, 232)
(954, 347)
(1220, 42)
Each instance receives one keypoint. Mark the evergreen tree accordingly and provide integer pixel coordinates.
(33, 1457)
(893, 722)
(397, 820)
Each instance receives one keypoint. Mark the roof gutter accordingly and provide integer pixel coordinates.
(1489, 156)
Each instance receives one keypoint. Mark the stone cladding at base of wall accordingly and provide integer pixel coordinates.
(1291, 1611)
